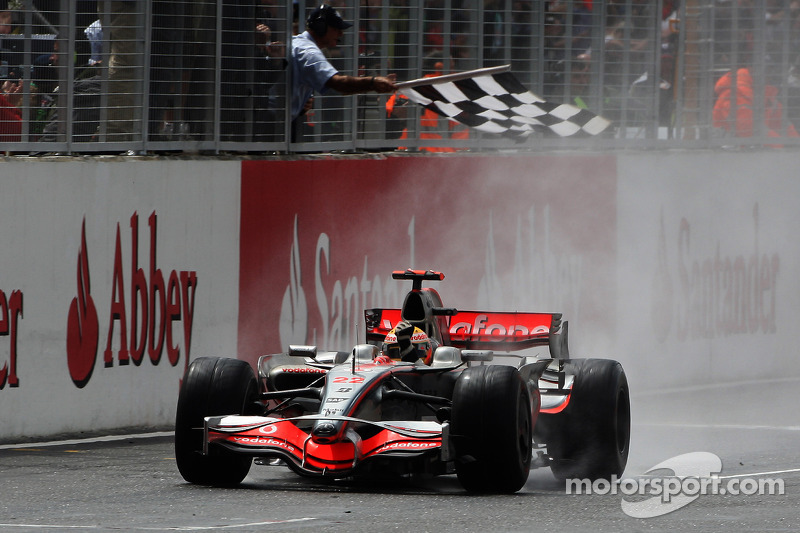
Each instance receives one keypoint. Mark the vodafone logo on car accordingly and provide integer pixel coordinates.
(406, 445)
(481, 326)
(303, 370)
(265, 442)
(268, 430)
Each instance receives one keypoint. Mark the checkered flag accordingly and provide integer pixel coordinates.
(494, 101)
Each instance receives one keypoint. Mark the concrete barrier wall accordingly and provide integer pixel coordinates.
(708, 265)
(86, 248)
(115, 273)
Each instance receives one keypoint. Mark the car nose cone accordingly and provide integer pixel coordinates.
(324, 431)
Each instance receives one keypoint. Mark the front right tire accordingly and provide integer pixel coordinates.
(491, 429)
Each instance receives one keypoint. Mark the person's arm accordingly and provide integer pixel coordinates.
(362, 84)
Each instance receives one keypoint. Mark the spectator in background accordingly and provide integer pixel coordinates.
(10, 114)
(167, 56)
(8, 21)
(94, 33)
(10, 49)
(48, 124)
(370, 34)
(6, 24)
(270, 71)
(433, 21)
(24, 100)
(44, 85)
(311, 70)
(239, 64)
(85, 14)
(124, 70)
(736, 99)
(462, 43)
(554, 55)
(579, 19)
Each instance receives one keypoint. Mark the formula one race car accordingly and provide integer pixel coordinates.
(341, 414)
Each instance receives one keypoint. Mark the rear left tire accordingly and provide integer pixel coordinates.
(590, 438)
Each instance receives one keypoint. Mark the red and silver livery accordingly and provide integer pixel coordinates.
(335, 414)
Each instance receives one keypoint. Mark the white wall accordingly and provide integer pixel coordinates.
(708, 265)
(43, 206)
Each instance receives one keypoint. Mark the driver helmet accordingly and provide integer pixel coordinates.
(392, 347)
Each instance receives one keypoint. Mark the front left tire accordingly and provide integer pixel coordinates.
(212, 386)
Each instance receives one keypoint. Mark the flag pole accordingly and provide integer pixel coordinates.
(454, 77)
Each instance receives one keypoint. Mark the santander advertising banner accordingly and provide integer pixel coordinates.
(320, 238)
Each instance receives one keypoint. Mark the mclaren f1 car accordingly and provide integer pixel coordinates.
(463, 412)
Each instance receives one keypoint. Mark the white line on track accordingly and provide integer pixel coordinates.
(719, 426)
(756, 474)
(175, 528)
(90, 440)
(716, 386)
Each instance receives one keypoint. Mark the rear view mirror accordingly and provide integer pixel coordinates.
(476, 355)
(299, 350)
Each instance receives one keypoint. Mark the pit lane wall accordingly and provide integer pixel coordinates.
(114, 274)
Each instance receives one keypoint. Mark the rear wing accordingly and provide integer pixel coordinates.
(479, 330)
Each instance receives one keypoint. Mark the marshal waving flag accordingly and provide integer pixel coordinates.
(494, 101)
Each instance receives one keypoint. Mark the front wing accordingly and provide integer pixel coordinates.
(284, 438)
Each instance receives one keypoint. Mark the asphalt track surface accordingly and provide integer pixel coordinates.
(131, 483)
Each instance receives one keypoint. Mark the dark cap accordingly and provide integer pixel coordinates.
(328, 16)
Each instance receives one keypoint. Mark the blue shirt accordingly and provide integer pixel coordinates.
(311, 70)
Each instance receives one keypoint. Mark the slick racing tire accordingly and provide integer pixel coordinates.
(491, 429)
(212, 386)
(590, 438)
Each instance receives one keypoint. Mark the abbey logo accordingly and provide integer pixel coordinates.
(10, 313)
(157, 303)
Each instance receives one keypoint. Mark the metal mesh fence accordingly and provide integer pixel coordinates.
(211, 76)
